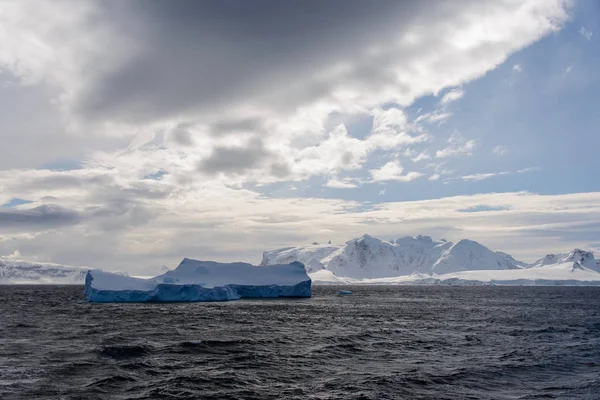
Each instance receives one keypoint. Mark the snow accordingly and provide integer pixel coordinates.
(566, 272)
(422, 260)
(369, 258)
(364, 260)
(470, 255)
(584, 258)
(557, 274)
(28, 272)
(195, 280)
(309, 255)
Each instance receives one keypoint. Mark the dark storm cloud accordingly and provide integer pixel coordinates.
(236, 160)
(47, 216)
(211, 54)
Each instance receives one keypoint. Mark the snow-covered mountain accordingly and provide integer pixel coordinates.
(368, 257)
(27, 272)
(14, 272)
(579, 258)
(468, 255)
(368, 260)
(310, 255)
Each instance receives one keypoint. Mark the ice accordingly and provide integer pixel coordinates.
(309, 255)
(195, 280)
(368, 260)
(367, 257)
(422, 260)
(28, 272)
(568, 273)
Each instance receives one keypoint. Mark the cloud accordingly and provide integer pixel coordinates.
(517, 68)
(229, 224)
(281, 59)
(45, 216)
(453, 95)
(529, 169)
(149, 69)
(393, 171)
(500, 150)
(481, 177)
(237, 159)
(585, 33)
(181, 135)
(223, 96)
(421, 156)
(484, 208)
(438, 116)
(457, 146)
(340, 184)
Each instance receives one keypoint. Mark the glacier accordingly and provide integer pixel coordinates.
(195, 280)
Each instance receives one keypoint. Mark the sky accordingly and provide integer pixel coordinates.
(135, 133)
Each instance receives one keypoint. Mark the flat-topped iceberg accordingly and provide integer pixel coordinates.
(195, 280)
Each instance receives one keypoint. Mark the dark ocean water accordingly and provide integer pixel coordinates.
(379, 343)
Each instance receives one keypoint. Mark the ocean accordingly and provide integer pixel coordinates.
(381, 342)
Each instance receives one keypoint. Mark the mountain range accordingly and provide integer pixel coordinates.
(370, 258)
(367, 259)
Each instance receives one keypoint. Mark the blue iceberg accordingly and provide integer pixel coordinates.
(195, 280)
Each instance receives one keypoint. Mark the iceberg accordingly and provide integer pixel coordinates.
(195, 280)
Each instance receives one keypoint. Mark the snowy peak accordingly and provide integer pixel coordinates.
(468, 255)
(512, 260)
(579, 258)
(309, 255)
(366, 257)
(369, 257)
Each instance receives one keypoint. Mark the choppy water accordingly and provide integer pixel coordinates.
(379, 343)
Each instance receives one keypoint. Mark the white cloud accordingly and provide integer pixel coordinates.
(530, 169)
(438, 116)
(480, 177)
(500, 150)
(344, 183)
(585, 33)
(417, 156)
(421, 157)
(272, 118)
(434, 177)
(457, 146)
(393, 171)
(216, 222)
(381, 192)
(517, 68)
(568, 69)
(453, 95)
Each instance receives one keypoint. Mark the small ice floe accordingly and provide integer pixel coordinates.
(344, 292)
